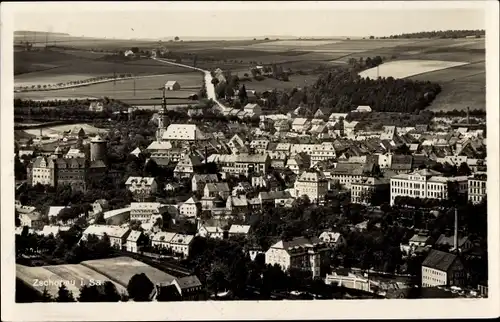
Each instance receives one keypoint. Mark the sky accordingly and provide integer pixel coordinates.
(220, 20)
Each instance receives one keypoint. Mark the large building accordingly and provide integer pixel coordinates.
(183, 132)
(143, 211)
(243, 163)
(313, 184)
(425, 183)
(362, 190)
(299, 253)
(477, 187)
(142, 187)
(98, 149)
(442, 269)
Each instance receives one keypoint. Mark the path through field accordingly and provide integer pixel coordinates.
(208, 82)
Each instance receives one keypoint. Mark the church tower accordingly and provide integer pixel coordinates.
(162, 118)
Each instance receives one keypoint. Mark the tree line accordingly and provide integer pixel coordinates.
(443, 34)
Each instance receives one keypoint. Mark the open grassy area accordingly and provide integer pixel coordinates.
(407, 68)
(74, 276)
(123, 268)
(145, 89)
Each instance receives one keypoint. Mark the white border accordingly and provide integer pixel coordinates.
(435, 308)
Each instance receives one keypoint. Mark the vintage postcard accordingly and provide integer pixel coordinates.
(249, 160)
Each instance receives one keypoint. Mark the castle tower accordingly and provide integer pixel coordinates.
(98, 149)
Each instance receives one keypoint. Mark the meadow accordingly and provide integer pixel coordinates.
(123, 268)
(60, 129)
(146, 88)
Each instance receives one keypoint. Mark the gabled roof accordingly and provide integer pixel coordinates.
(217, 187)
(239, 229)
(134, 236)
(146, 180)
(297, 242)
(182, 239)
(163, 236)
(449, 240)
(188, 282)
(188, 132)
(439, 260)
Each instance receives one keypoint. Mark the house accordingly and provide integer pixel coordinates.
(190, 208)
(313, 184)
(237, 145)
(299, 253)
(181, 244)
(337, 116)
(136, 152)
(189, 288)
(199, 181)
(54, 212)
(31, 220)
(286, 200)
(128, 53)
(162, 239)
(239, 230)
(142, 187)
(353, 280)
(172, 187)
(211, 232)
(135, 240)
(282, 126)
(242, 188)
(477, 187)
(243, 163)
(297, 163)
(252, 108)
(300, 125)
(52, 230)
(186, 166)
(117, 235)
(332, 239)
(172, 86)
(43, 172)
(96, 107)
(417, 241)
(442, 269)
(217, 189)
(143, 211)
(362, 190)
(321, 113)
(99, 206)
(362, 109)
(269, 198)
(463, 243)
(237, 204)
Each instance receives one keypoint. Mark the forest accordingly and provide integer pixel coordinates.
(443, 34)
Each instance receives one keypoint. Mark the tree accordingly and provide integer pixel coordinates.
(242, 94)
(64, 295)
(46, 297)
(463, 170)
(140, 288)
(110, 293)
(176, 38)
(89, 294)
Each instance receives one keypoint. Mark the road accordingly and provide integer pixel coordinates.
(208, 82)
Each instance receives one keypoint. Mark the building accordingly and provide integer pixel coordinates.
(183, 133)
(363, 109)
(31, 220)
(477, 187)
(135, 240)
(199, 181)
(347, 279)
(117, 235)
(186, 166)
(43, 172)
(442, 269)
(364, 189)
(143, 211)
(142, 187)
(190, 208)
(425, 183)
(253, 109)
(72, 172)
(98, 149)
(243, 163)
(211, 232)
(332, 239)
(239, 230)
(345, 173)
(96, 107)
(181, 244)
(313, 184)
(463, 243)
(162, 239)
(217, 189)
(300, 125)
(172, 86)
(74, 153)
(189, 288)
(298, 253)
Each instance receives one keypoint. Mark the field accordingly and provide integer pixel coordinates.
(238, 56)
(146, 88)
(60, 129)
(74, 275)
(123, 268)
(271, 83)
(406, 68)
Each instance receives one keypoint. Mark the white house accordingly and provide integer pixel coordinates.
(239, 230)
(363, 109)
(133, 241)
(332, 239)
(253, 108)
(96, 107)
(162, 239)
(211, 232)
(117, 234)
(312, 184)
(190, 208)
(172, 86)
(181, 244)
(143, 186)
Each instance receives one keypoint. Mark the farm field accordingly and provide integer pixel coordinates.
(145, 88)
(460, 73)
(59, 129)
(76, 275)
(406, 68)
(123, 268)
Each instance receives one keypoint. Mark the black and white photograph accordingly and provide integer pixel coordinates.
(244, 159)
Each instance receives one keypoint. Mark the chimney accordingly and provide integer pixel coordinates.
(455, 236)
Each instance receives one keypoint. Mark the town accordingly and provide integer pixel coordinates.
(346, 188)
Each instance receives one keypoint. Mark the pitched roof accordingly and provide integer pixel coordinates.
(449, 240)
(239, 229)
(439, 260)
(188, 282)
(146, 180)
(163, 236)
(189, 132)
(217, 187)
(112, 231)
(134, 236)
(182, 239)
(297, 242)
